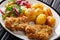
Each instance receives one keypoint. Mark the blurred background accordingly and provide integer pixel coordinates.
(4, 35)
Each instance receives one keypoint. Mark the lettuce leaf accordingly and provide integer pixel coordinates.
(11, 0)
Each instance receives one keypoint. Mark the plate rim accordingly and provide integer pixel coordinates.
(35, 0)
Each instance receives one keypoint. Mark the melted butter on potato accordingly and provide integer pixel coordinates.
(38, 11)
(29, 12)
(51, 21)
(37, 5)
(41, 19)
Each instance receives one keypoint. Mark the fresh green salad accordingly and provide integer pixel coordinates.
(15, 8)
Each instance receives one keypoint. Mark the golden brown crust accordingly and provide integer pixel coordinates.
(37, 32)
(14, 23)
(40, 33)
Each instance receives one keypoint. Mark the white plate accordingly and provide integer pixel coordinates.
(20, 34)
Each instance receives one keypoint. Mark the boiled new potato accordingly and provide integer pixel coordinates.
(41, 19)
(38, 11)
(32, 13)
(51, 21)
(29, 12)
(47, 11)
(37, 5)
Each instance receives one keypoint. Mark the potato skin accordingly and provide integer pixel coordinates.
(51, 21)
(47, 11)
(38, 11)
(32, 13)
(41, 19)
(37, 5)
(29, 12)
